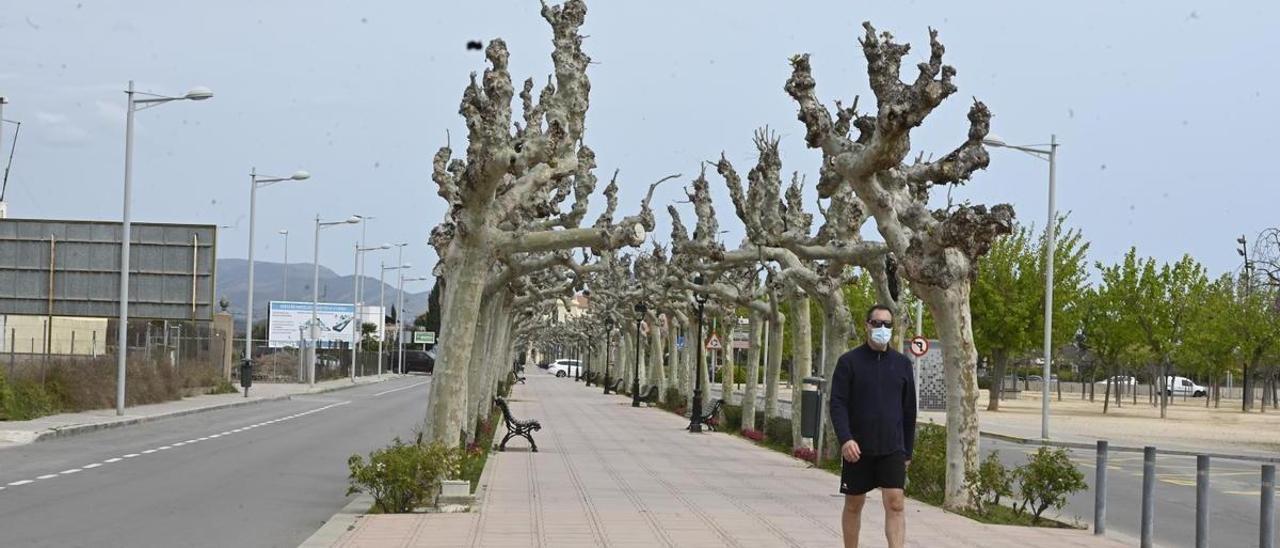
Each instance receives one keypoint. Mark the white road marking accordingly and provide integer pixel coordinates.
(148, 451)
(399, 389)
(162, 448)
(109, 461)
(46, 476)
(92, 466)
(130, 455)
(69, 472)
(190, 441)
(180, 444)
(22, 482)
(204, 438)
(215, 436)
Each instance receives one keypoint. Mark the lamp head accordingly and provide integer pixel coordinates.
(406, 265)
(640, 309)
(384, 246)
(1240, 240)
(198, 94)
(300, 175)
(284, 232)
(993, 140)
(354, 219)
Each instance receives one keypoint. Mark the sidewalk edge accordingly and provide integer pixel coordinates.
(1127, 448)
(338, 524)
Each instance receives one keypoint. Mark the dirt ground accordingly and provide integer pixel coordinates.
(1189, 424)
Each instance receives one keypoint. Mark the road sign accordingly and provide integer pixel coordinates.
(424, 337)
(740, 345)
(713, 342)
(919, 346)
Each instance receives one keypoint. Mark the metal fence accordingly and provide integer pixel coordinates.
(288, 365)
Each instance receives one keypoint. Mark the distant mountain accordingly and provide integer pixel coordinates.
(269, 282)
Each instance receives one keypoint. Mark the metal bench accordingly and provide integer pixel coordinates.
(516, 427)
(649, 395)
(516, 377)
(617, 386)
(710, 419)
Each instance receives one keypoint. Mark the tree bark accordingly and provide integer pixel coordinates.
(657, 376)
(801, 360)
(446, 405)
(950, 310)
(1001, 362)
(754, 328)
(773, 365)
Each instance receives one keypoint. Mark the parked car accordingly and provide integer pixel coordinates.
(564, 368)
(1182, 386)
(421, 361)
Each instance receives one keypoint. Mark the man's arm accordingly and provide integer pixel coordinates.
(909, 410)
(839, 406)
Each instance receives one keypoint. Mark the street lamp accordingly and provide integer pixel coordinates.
(608, 352)
(400, 314)
(356, 303)
(382, 304)
(285, 291)
(695, 418)
(256, 181)
(122, 330)
(1246, 397)
(1050, 154)
(315, 290)
(639, 309)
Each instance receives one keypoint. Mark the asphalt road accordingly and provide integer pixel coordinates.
(268, 474)
(1234, 493)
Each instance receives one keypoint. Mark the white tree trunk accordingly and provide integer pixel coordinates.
(801, 360)
(673, 357)
(447, 405)
(950, 310)
(754, 327)
(477, 372)
(773, 366)
(726, 369)
(657, 374)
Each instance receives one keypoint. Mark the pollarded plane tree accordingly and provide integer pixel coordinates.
(504, 197)
(937, 250)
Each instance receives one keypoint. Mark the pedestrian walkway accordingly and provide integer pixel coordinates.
(14, 433)
(607, 474)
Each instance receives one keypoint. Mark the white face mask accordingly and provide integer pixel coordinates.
(881, 335)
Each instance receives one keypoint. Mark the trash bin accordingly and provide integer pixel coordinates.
(246, 375)
(811, 406)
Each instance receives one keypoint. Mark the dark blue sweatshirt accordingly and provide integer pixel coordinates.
(873, 401)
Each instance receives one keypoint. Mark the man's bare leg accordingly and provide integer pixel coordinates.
(895, 518)
(851, 519)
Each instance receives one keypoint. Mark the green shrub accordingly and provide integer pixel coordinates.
(402, 477)
(673, 401)
(991, 482)
(778, 431)
(732, 418)
(926, 477)
(1046, 480)
(223, 386)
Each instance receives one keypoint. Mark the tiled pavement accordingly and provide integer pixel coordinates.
(610, 475)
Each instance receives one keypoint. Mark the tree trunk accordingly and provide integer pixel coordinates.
(950, 309)
(1106, 394)
(477, 370)
(1001, 361)
(726, 371)
(773, 366)
(754, 320)
(446, 404)
(837, 325)
(673, 357)
(801, 360)
(657, 375)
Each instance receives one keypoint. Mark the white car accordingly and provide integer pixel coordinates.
(565, 368)
(1182, 386)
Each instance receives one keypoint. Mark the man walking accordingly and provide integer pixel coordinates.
(873, 409)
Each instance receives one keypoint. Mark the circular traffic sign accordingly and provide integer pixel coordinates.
(919, 346)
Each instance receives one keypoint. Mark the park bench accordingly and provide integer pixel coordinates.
(516, 377)
(516, 427)
(710, 419)
(617, 386)
(649, 395)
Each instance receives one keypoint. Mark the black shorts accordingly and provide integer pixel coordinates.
(872, 471)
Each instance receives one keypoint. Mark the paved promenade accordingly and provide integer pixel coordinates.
(610, 475)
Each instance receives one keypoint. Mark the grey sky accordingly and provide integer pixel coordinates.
(1166, 110)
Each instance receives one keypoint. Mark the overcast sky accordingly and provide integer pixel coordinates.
(1166, 111)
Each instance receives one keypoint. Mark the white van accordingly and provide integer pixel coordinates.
(1182, 386)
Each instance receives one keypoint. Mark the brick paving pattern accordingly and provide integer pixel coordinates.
(610, 475)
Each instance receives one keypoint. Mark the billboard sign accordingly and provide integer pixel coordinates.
(424, 337)
(289, 322)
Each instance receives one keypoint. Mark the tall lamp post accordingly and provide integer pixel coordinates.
(356, 302)
(695, 419)
(285, 290)
(255, 181)
(608, 352)
(315, 290)
(382, 304)
(640, 309)
(1246, 395)
(400, 315)
(1050, 154)
(122, 330)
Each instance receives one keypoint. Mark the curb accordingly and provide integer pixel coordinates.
(74, 430)
(1127, 449)
(339, 523)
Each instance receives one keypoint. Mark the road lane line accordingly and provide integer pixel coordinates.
(109, 461)
(148, 451)
(46, 476)
(92, 466)
(130, 455)
(399, 389)
(22, 482)
(69, 472)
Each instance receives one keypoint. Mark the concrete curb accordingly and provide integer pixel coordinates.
(339, 523)
(1127, 449)
(74, 430)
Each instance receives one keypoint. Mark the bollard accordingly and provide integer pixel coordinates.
(1267, 523)
(1100, 491)
(1202, 501)
(1148, 498)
